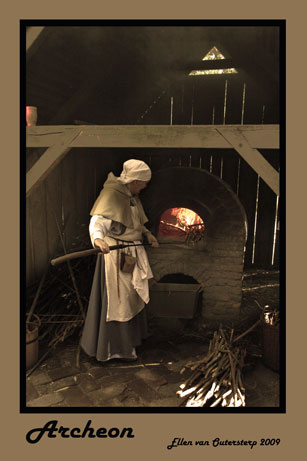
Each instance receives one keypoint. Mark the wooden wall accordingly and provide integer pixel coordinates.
(226, 99)
(57, 211)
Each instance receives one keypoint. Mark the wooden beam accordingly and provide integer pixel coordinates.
(32, 34)
(238, 141)
(163, 136)
(50, 159)
(35, 39)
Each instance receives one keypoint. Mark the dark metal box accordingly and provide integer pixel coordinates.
(174, 300)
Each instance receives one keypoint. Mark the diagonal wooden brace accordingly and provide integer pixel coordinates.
(32, 35)
(252, 156)
(50, 158)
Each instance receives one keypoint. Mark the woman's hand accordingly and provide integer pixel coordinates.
(104, 247)
(152, 239)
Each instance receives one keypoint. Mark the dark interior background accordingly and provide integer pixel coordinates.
(114, 74)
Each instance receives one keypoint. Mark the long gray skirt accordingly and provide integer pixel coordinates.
(108, 340)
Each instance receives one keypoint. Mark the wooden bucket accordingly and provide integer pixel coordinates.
(32, 342)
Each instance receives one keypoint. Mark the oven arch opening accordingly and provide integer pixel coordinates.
(176, 295)
(178, 277)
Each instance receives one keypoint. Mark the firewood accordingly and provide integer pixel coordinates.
(217, 376)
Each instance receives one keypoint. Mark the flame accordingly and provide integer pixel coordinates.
(181, 223)
(186, 217)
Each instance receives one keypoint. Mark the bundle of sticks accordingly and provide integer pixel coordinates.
(216, 379)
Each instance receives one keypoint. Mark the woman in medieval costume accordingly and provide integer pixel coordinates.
(116, 320)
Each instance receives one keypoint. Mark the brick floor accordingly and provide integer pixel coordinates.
(151, 377)
(87, 383)
(75, 397)
(150, 381)
(31, 391)
(46, 400)
(107, 395)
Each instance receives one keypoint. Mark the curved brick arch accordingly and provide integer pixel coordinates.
(210, 197)
(163, 269)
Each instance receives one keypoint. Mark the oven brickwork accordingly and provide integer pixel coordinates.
(216, 262)
(221, 281)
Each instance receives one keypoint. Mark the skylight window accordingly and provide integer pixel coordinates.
(213, 55)
(231, 70)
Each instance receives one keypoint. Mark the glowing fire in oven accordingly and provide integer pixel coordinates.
(181, 223)
(186, 217)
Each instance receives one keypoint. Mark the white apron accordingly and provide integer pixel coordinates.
(127, 293)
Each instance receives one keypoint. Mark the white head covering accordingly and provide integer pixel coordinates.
(135, 170)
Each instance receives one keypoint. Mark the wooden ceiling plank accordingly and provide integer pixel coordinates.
(252, 156)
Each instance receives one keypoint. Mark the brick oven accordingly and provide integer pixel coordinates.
(216, 260)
